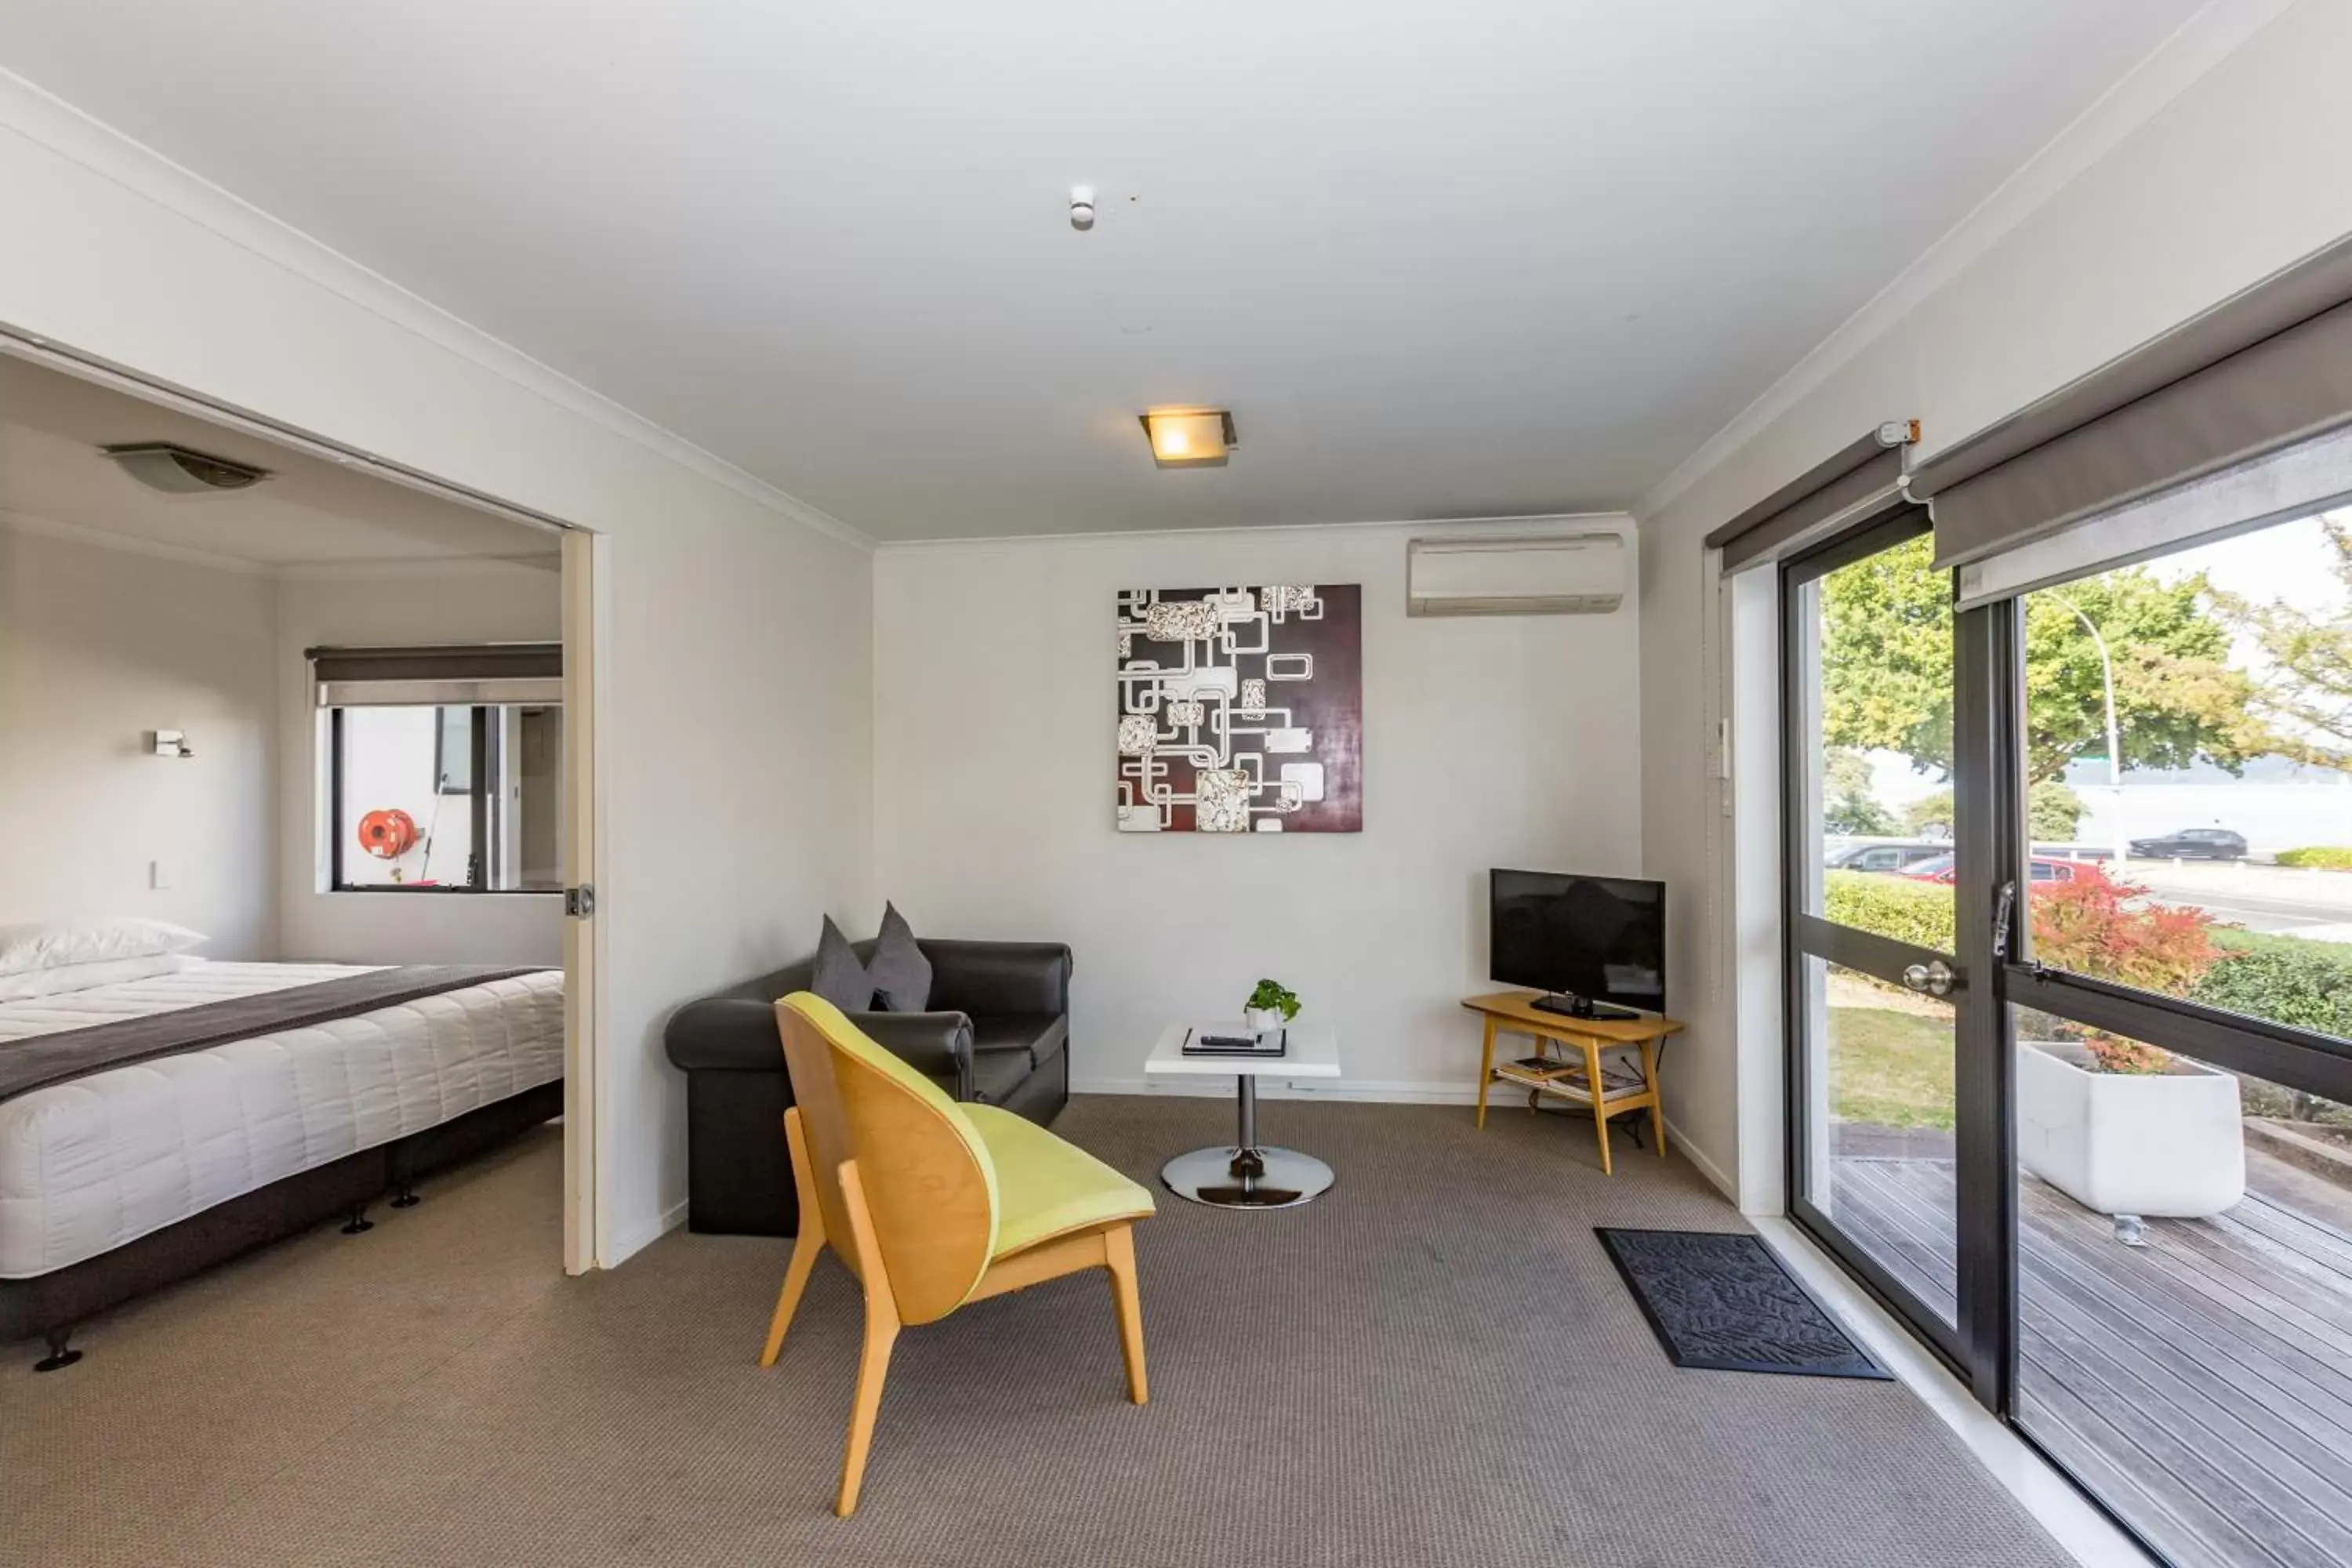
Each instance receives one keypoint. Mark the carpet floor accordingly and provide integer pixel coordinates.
(1435, 1364)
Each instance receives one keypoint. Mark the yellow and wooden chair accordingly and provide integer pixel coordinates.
(932, 1204)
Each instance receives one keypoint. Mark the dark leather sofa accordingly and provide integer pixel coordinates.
(997, 1032)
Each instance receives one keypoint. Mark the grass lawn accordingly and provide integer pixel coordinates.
(1889, 1069)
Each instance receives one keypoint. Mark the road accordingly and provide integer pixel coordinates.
(2315, 904)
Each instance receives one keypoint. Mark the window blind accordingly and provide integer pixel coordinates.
(439, 675)
(2262, 372)
(1858, 481)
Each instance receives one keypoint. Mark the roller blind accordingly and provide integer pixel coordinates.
(1860, 480)
(437, 675)
(2262, 372)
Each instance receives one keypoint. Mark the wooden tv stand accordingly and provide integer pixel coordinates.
(1571, 1075)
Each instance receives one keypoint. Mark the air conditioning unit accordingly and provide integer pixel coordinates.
(1559, 574)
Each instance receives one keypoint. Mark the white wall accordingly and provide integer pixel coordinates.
(465, 601)
(737, 785)
(98, 647)
(1488, 741)
(2233, 176)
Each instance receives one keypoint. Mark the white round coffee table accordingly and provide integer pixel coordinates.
(1246, 1173)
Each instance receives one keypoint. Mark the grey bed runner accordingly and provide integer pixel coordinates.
(42, 1060)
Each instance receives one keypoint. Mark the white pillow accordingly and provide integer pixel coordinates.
(44, 945)
(60, 978)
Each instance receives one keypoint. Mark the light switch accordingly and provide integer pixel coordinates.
(163, 873)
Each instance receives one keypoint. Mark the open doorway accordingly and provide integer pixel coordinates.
(224, 640)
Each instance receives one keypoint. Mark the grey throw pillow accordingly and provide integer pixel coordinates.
(899, 971)
(839, 978)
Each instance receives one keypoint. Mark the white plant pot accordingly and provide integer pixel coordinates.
(2168, 1143)
(1261, 1020)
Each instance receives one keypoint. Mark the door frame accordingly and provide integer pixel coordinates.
(1992, 903)
(1809, 936)
(587, 1183)
(1999, 975)
(587, 1105)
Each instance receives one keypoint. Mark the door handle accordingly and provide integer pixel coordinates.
(1935, 977)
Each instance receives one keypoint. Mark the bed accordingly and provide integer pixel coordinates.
(156, 1125)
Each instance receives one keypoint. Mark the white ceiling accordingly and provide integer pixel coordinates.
(1492, 256)
(309, 510)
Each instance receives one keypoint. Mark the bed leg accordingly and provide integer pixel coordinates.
(407, 1198)
(58, 1357)
(359, 1220)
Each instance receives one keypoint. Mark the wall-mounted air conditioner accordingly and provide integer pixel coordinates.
(1557, 575)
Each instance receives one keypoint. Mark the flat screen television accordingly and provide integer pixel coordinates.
(1594, 945)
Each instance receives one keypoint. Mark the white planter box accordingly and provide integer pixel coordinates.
(2167, 1144)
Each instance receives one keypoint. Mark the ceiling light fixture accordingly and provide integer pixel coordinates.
(177, 471)
(1190, 437)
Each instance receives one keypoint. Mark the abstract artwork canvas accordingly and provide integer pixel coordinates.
(1241, 709)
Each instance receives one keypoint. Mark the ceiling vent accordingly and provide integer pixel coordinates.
(1561, 575)
(176, 471)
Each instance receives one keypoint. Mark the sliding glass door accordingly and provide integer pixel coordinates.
(1876, 988)
(2181, 1004)
(2069, 883)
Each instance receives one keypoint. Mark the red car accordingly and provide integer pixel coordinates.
(2046, 868)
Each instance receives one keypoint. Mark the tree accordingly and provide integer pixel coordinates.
(1931, 816)
(2304, 694)
(1886, 657)
(2052, 812)
(1887, 667)
(1848, 806)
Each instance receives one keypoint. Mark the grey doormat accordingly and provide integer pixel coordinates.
(1720, 1300)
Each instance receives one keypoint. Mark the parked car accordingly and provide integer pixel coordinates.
(2193, 843)
(2045, 869)
(1883, 857)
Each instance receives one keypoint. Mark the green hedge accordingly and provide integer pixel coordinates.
(1920, 914)
(2286, 979)
(2335, 858)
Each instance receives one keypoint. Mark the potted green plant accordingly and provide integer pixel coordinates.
(1270, 1006)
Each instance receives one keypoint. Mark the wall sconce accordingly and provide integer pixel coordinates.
(1190, 437)
(171, 743)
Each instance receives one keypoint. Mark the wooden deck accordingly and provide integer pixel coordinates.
(2201, 1385)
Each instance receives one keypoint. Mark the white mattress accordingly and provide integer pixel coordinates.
(88, 1165)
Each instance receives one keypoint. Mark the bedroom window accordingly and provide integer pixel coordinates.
(440, 768)
(446, 799)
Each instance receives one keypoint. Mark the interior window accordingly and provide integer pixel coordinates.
(445, 799)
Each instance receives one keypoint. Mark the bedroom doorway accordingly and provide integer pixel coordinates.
(545, 857)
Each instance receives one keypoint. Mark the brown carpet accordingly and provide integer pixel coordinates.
(1434, 1365)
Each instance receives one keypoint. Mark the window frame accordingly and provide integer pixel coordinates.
(478, 861)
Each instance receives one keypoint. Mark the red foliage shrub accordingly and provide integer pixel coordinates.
(2107, 929)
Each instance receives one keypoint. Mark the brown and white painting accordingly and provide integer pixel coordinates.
(1241, 709)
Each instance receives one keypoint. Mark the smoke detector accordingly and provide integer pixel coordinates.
(177, 471)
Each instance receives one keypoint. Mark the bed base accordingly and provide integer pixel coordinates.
(50, 1305)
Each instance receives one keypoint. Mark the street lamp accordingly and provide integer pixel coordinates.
(2114, 745)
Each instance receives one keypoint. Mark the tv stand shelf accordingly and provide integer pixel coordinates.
(1593, 1053)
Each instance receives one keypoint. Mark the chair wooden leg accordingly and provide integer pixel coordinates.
(1119, 1250)
(873, 1366)
(881, 1333)
(805, 1246)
